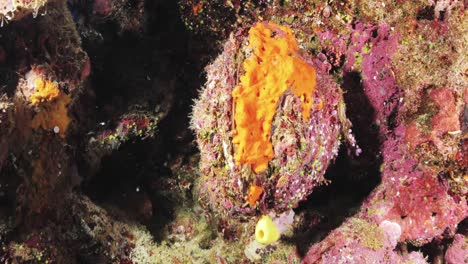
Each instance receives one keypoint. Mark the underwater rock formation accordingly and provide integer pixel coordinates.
(458, 251)
(51, 67)
(415, 193)
(276, 129)
(420, 136)
(358, 241)
(99, 162)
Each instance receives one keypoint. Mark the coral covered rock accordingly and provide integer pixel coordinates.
(98, 163)
(458, 251)
(268, 117)
(358, 241)
(413, 196)
(46, 69)
(420, 138)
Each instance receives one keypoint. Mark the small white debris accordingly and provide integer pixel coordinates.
(456, 132)
(252, 250)
(392, 230)
(56, 129)
(326, 11)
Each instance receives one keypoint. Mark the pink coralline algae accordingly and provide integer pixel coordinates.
(358, 241)
(368, 50)
(411, 204)
(414, 202)
(458, 251)
(446, 120)
(370, 53)
(413, 196)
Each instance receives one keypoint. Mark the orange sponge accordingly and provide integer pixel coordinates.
(273, 68)
(53, 105)
(45, 91)
(254, 194)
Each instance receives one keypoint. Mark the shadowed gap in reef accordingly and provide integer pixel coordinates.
(137, 173)
(352, 178)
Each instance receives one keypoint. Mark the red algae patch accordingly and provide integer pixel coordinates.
(273, 67)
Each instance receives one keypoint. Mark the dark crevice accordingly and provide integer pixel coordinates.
(352, 178)
(139, 172)
(427, 13)
(434, 251)
(442, 15)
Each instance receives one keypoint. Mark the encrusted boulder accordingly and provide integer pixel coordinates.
(268, 123)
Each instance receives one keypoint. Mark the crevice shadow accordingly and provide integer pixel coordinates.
(352, 178)
(139, 172)
(124, 181)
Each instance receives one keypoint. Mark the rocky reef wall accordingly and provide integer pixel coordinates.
(239, 131)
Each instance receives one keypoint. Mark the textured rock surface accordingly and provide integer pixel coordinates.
(458, 251)
(98, 163)
(302, 148)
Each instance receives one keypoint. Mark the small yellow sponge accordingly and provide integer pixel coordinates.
(266, 231)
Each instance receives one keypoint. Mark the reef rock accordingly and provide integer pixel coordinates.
(268, 123)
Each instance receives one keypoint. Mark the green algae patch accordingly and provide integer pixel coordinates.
(371, 235)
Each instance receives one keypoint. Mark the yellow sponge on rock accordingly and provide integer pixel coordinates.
(266, 231)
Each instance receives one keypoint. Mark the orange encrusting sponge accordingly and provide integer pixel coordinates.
(254, 194)
(45, 91)
(273, 68)
(53, 105)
